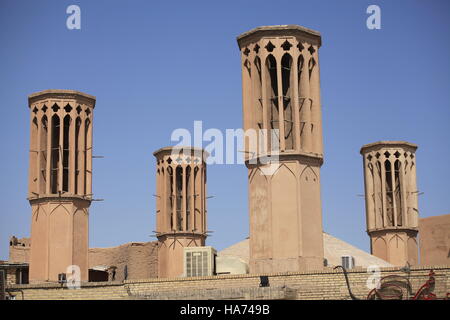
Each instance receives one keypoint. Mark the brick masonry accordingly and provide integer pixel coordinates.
(10, 276)
(326, 284)
(139, 258)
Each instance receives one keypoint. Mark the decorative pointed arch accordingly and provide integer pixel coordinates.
(281, 167)
(379, 248)
(63, 206)
(397, 250)
(284, 207)
(254, 172)
(162, 245)
(308, 170)
(412, 250)
(396, 240)
(192, 241)
(175, 242)
(35, 212)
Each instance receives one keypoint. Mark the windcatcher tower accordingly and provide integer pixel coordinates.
(180, 205)
(281, 97)
(391, 200)
(60, 181)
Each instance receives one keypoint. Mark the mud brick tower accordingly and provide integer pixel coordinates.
(391, 200)
(60, 182)
(180, 205)
(281, 97)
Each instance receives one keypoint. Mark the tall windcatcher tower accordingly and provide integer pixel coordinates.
(391, 200)
(60, 181)
(281, 106)
(180, 205)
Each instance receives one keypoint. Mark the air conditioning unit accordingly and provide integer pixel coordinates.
(348, 262)
(199, 261)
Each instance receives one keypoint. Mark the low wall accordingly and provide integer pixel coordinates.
(326, 284)
(139, 258)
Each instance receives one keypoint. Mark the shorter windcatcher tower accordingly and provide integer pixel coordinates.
(180, 205)
(391, 200)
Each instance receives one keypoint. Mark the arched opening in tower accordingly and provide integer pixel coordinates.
(303, 96)
(257, 94)
(188, 197)
(287, 80)
(55, 157)
(389, 193)
(272, 98)
(87, 150)
(312, 65)
(197, 199)
(43, 154)
(398, 194)
(34, 154)
(379, 196)
(77, 155)
(179, 197)
(65, 186)
(169, 193)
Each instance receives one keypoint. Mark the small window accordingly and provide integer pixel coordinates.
(22, 276)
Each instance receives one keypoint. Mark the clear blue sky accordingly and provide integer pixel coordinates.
(157, 66)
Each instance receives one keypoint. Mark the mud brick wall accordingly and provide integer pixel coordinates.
(324, 284)
(140, 258)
